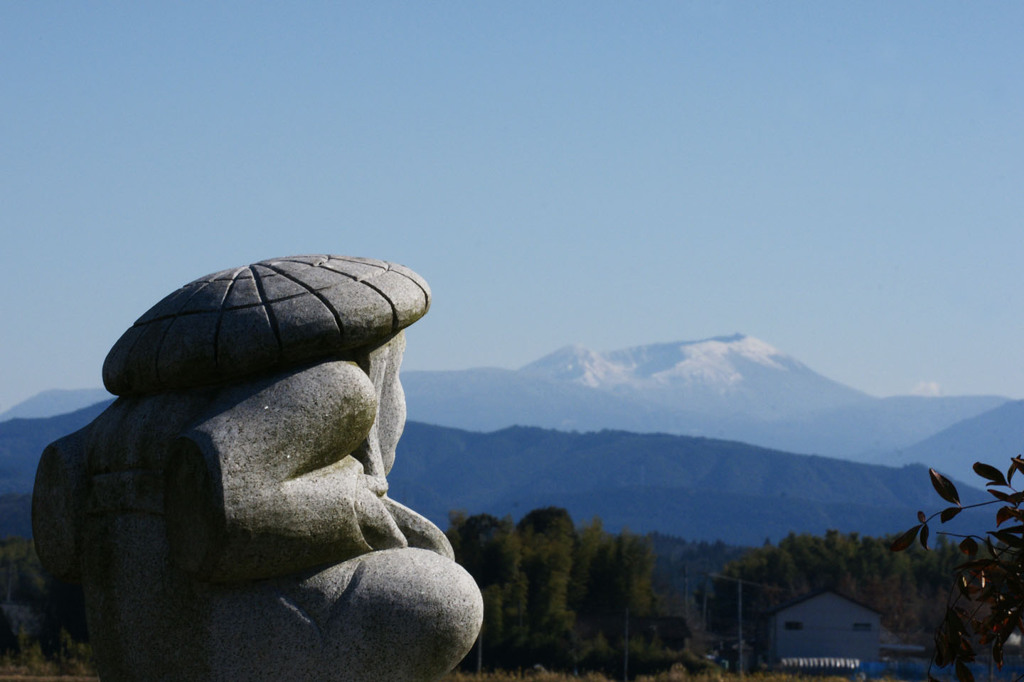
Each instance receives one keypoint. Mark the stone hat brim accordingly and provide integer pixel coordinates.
(269, 315)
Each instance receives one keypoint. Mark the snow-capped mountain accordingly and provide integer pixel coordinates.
(734, 387)
(731, 387)
(580, 365)
(714, 362)
(726, 375)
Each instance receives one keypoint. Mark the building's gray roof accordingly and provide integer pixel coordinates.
(811, 595)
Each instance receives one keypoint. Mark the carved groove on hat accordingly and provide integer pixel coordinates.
(266, 315)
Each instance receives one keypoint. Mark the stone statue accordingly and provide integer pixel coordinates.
(228, 515)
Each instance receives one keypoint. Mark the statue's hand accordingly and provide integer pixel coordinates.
(418, 531)
(378, 526)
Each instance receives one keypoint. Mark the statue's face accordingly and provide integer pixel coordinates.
(377, 453)
(390, 397)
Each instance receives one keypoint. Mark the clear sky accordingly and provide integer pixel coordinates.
(841, 180)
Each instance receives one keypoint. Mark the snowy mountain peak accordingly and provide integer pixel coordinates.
(578, 364)
(735, 374)
(720, 361)
(719, 356)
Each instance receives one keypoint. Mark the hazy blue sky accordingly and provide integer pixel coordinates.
(841, 180)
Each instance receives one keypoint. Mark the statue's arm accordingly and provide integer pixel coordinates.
(260, 529)
(262, 485)
(58, 504)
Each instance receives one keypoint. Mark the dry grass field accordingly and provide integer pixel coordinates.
(41, 674)
(13, 674)
(677, 674)
(8, 675)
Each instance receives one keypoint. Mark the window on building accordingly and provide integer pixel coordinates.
(862, 627)
(794, 625)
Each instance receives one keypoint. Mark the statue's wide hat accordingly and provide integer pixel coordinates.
(265, 316)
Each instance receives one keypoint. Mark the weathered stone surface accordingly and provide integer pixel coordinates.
(228, 517)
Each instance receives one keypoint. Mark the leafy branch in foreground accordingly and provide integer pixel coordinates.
(986, 601)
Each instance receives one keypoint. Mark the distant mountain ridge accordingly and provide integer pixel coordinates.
(54, 402)
(733, 387)
(660, 449)
(697, 488)
(992, 437)
(22, 442)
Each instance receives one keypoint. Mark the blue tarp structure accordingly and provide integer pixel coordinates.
(917, 671)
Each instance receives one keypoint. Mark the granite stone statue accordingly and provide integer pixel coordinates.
(228, 514)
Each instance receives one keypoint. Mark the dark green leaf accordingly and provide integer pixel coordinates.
(968, 546)
(1017, 463)
(1007, 513)
(963, 673)
(954, 621)
(949, 512)
(924, 536)
(1009, 539)
(1000, 495)
(943, 648)
(944, 487)
(905, 540)
(990, 473)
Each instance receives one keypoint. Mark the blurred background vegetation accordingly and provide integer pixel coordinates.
(562, 596)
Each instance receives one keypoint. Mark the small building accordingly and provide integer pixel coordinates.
(823, 625)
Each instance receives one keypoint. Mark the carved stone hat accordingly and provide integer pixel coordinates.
(268, 315)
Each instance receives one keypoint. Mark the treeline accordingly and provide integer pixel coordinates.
(558, 594)
(43, 624)
(908, 588)
(554, 594)
(682, 571)
(565, 597)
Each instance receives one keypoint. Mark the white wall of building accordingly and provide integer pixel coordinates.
(826, 625)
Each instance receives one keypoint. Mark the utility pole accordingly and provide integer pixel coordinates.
(739, 615)
(739, 624)
(625, 656)
(479, 652)
(704, 611)
(686, 592)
